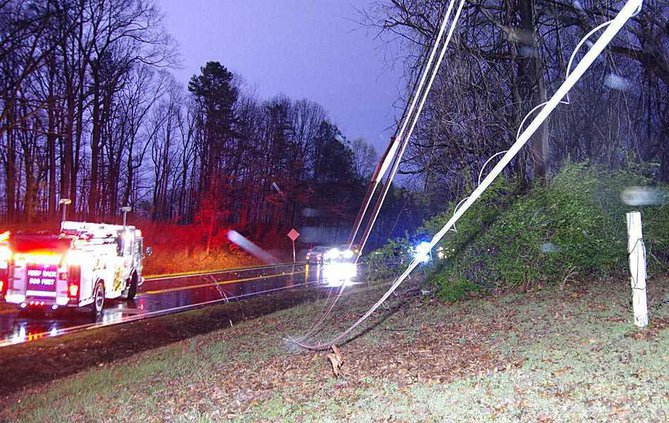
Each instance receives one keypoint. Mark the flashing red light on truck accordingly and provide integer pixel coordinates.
(74, 291)
(5, 259)
(73, 281)
(79, 267)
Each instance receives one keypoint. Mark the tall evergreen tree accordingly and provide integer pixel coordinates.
(216, 96)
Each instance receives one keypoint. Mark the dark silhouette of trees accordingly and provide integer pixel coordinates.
(89, 112)
(73, 72)
(365, 158)
(506, 58)
(215, 95)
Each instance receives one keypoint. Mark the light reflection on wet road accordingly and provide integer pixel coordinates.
(158, 296)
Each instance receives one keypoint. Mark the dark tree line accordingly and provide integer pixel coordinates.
(507, 57)
(90, 113)
(74, 93)
(278, 161)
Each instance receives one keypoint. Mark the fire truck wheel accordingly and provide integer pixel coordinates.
(98, 299)
(132, 289)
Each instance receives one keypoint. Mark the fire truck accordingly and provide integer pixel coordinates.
(82, 266)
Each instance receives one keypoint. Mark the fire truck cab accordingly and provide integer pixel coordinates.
(81, 267)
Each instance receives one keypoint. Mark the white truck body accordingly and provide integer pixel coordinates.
(63, 270)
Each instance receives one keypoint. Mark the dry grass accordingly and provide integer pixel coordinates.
(167, 260)
(546, 355)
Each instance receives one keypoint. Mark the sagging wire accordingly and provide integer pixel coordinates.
(641, 260)
(499, 153)
(212, 280)
(316, 327)
(571, 59)
(397, 158)
(583, 40)
(567, 100)
(392, 156)
(391, 151)
(629, 10)
(457, 206)
(414, 120)
(455, 209)
(224, 295)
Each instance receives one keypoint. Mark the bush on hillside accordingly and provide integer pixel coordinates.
(389, 260)
(573, 226)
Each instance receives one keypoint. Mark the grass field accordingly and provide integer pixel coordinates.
(543, 355)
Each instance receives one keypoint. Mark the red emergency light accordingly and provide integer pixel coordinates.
(73, 280)
(5, 259)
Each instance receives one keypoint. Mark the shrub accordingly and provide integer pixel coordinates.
(388, 260)
(656, 236)
(574, 225)
(453, 289)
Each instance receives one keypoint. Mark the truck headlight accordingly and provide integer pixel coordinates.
(332, 254)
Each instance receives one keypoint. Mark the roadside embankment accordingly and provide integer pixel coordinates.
(543, 355)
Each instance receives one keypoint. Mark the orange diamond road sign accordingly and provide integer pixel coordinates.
(293, 234)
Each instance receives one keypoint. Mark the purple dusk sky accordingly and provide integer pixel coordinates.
(313, 49)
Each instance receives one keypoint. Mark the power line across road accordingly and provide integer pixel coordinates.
(161, 294)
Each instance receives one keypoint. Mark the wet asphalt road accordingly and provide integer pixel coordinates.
(160, 295)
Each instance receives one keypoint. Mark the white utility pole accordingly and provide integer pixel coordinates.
(637, 256)
(125, 210)
(64, 202)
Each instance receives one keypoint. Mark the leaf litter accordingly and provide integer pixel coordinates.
(514, 356)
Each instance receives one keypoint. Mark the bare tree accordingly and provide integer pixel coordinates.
(364, 157)
(504, 60)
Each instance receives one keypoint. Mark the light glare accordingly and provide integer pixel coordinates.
(422, 252)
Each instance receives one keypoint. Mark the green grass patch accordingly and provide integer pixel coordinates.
(549, 354)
